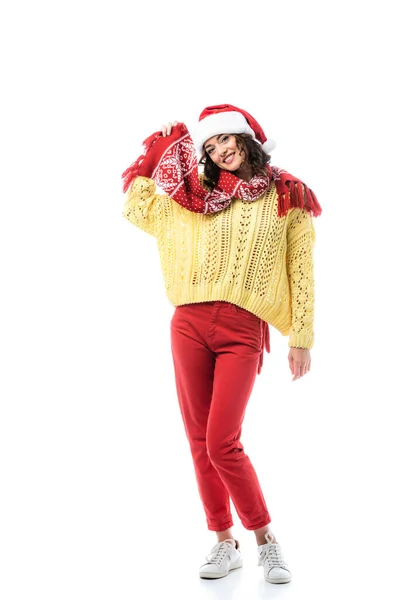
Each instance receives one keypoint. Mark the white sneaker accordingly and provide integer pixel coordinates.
(270, 557)
(224, 557)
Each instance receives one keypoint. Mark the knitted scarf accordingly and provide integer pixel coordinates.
(171, 162)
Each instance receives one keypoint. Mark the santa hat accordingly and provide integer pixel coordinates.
(225, 118)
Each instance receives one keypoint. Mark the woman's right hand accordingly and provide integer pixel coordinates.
(166, 129)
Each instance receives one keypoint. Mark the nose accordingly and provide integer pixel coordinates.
(222, 151)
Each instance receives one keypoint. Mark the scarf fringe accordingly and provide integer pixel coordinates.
(295, 194)
(134, 170)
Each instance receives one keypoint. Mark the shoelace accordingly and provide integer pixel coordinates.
(219, 553)
(271, 553)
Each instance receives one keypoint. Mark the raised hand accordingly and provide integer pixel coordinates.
(166, 129)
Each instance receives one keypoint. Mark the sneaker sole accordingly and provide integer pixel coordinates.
(236, 565)
(285, 580)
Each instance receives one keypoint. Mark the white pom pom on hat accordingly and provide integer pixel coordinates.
(225, 118)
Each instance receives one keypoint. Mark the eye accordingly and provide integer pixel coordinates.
(225, 138)
(210, 151)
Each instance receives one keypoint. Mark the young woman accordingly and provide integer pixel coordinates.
(236, 248)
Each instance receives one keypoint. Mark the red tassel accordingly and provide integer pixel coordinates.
(313, 203)
(300, 194)
(134, 170)
(294, 198)
(283, 198)
(131, 172)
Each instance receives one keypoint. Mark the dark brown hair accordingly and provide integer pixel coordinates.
(256, 158)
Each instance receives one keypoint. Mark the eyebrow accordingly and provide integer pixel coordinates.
(218, 136)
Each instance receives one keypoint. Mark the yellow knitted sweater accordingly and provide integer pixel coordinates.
(244, 254)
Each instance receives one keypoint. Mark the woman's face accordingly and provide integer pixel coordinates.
(224, 151)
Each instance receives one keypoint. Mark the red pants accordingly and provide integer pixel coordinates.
(216, 349)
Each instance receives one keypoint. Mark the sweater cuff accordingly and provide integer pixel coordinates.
(301, 340)
(143, 186)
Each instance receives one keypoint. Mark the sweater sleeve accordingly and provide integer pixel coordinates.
(300, 269)
(140, 204)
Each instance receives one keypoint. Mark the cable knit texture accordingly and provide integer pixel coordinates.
(245, 255)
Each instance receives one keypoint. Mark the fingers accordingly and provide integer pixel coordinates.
(299, 370)
(299, 362)
(166, 129)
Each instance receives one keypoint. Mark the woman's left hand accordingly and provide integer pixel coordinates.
(299, 362)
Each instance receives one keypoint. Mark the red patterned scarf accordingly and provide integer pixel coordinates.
(171, 162)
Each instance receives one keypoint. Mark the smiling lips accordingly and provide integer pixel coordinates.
(229, 158)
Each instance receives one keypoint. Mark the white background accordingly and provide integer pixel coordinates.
(98, 497)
